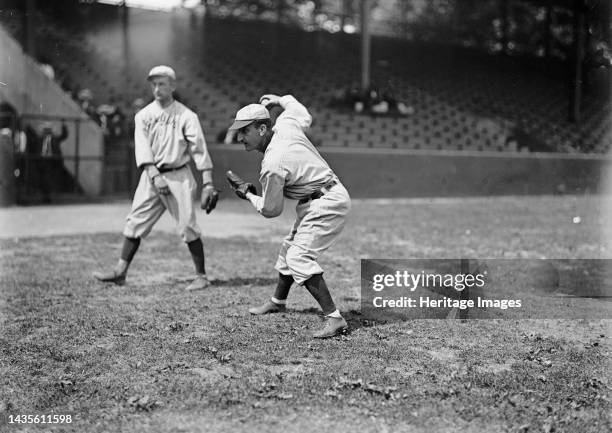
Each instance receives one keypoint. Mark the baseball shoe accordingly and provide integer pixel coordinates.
(333, 327)
(110, 277)
(200, 282)
(267, 308)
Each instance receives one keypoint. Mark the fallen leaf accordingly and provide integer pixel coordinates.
(350, 383)
(143, 403)
(66, 386)
(226, 357)
(548, 427)
(384, 391)
(177, 326)
(515, 400)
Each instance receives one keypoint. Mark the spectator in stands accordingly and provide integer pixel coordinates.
(374, 101)
(354, 98)
(45, 66)
(396, 106)
(524, 141)
(85, 99)
(117, 123)
(378, 102)
(598, 67)
(8, 116)
(48, 70)
(103, 112)
(9, 126)
(339, 98)
(404, 109)
(47, 168)
(349, 97)
(111, 120)
(384, 101)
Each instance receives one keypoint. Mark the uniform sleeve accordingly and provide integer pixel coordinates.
(294, 111)
(142, 146)
(272, 179)
(192, 131)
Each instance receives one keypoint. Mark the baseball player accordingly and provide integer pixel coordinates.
(167, 135)
(293, 168)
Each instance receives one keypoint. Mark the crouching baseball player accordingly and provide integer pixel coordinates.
(167, 135)
(293, 168)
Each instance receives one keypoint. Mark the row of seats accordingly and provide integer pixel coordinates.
(462, 99)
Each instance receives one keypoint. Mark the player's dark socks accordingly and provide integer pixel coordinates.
(282, 288)
(197, 255)
(130, 246)
(318, 289)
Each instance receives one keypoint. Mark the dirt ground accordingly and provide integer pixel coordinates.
(149, 357)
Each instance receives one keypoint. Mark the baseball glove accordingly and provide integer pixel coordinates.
(239, 186)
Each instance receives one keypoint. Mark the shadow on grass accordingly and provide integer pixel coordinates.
(240, 281)
(357, 319)
(364, 319)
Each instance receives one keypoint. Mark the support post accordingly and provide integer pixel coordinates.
(365, 45)
(576, 80)
(547, 34)
(505, 25)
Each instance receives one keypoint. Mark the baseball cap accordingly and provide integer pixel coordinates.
(162, 71)
(249, 114)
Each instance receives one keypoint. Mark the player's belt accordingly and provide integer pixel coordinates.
(167, 169)
(320, 192)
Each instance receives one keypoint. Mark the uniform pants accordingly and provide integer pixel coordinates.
(148, 206)
(318, 224)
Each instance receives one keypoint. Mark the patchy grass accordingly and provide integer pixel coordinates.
(148, 357)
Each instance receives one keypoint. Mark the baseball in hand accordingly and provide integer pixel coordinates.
(264, 101)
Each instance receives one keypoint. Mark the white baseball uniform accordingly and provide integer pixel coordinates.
(168, 138)
(293, 168)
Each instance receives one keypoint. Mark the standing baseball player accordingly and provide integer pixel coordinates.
(167, 135)
(293, 168)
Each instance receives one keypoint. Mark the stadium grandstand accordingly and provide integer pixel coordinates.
(451, 75)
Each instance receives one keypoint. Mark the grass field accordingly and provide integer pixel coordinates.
(148, 357)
